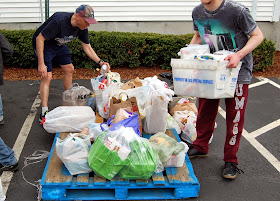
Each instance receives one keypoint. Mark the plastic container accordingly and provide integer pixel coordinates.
(92, 101)
(204, 78)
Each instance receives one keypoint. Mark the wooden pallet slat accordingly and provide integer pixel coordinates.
(158, 179)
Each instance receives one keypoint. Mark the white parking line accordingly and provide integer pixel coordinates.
(263, 151)
(269, 81)
(265, 129)
(257, 84)
(251, 137)
(21, 139)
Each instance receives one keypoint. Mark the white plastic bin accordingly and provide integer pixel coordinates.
(204, 78)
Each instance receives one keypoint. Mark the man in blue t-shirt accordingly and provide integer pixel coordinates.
(49, 45)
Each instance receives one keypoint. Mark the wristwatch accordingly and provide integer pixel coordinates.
(100, 61)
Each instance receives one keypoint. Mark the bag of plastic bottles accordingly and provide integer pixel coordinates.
(75, 96)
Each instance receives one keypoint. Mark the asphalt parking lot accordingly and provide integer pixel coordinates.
(259, 152)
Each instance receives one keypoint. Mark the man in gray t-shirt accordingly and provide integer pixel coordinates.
(225, 25)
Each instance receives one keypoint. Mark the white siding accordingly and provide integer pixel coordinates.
(17, 11)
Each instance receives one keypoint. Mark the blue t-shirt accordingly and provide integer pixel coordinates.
(58, 30)
(227, 28)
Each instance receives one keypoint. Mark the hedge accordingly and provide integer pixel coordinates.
(123, 49)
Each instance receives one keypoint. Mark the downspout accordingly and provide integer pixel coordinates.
(254, 9)
(276, 11)
(47, 10)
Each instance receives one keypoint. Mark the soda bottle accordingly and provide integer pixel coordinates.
(91, 101)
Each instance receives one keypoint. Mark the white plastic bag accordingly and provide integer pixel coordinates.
(178, 160)
(75, 96)
(189, 128)
(68, 119)
(156, 105)
(103, 99)
(73, 151)
(156, 114)
(193, 49)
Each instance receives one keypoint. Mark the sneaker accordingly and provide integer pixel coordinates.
(9, 168)
(2, 122)
(230, 170)
(42, 117)
(192, 153)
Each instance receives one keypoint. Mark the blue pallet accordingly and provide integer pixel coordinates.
(172, 183)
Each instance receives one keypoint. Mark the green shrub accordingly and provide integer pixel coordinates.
(123, 49)
(264, 55)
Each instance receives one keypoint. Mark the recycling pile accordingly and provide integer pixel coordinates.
(116, 147)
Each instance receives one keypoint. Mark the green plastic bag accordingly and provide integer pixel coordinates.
(143, 160)
(105, 162)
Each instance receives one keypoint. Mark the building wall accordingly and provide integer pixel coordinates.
(19, 11)
(157, 16)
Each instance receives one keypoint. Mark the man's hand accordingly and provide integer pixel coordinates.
(42, 70)
(105, 63)
(234, 60)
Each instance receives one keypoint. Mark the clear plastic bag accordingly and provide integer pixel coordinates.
(165, 146)
(75, 96)
(73, 151)
(171, 123)
(94, 130)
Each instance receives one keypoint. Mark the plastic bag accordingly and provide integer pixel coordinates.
(156, 105)
(130, 121)
(165, 146)
(73, 151)
(171, 123)
(94, 130)
(156, 114)
(193, 49)
(103, 99)
(76, 96)
(178, 160)
(143, 160)
(109, 153)
(182, 105)
(68, 119)
(189, 128)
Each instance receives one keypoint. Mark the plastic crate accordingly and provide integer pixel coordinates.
(204, 78)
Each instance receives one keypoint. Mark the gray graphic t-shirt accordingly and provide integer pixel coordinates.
(227, 28)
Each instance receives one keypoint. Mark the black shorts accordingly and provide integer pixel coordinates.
(55, 54)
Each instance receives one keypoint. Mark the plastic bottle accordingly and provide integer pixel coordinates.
(103, 69)
(91, 101)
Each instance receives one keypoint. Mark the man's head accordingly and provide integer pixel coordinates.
(86, 12)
